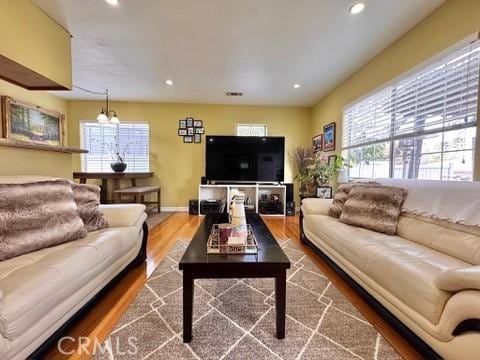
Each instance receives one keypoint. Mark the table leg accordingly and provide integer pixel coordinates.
(158, 202)
(280, 302)
(187, 305)
(104, 192)
(83, 180)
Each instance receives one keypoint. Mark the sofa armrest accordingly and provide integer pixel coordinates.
(121, 215)
(459, 279)
(313, 206)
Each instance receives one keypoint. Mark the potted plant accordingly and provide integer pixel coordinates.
(302, 158)
(118, 154)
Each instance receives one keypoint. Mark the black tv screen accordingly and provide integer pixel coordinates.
(245, 158)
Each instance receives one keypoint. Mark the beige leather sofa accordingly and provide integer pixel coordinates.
(427, 276)
(42, 290)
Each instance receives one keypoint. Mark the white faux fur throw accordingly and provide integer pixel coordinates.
(454, 201)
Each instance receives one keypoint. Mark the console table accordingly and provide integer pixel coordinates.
(115, 177)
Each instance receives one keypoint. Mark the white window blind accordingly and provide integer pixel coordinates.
(251, 130)
(100, 139)
(409, 128)
(441, 97)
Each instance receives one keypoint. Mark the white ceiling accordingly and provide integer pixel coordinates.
(207, 47)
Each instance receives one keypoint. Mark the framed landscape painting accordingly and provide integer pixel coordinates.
(329, 137)
(29, 123)
(317, 143)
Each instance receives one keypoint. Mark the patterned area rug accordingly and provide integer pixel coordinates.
(235, 318)
(155, 218)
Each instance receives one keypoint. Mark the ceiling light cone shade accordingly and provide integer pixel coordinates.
(102, 118)
(115, 119)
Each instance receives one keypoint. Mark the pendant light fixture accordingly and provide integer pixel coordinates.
(107, 116)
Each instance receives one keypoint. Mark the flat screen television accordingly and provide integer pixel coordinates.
(245, 158)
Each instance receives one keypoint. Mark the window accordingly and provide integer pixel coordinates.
(251, 130)
(422, 127)
(99, 140)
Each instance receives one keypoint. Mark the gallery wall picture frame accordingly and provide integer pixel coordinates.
(331, 160)
(324, 192)
(182, 132)
(189, 121)
(198, 123)
(329, 137)
(199, 130)
(317, 143)
(197, 138)
(190, 131)
(27, 122)
(188, 139)
(182, 124)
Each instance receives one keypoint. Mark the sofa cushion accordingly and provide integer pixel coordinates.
(341, 197)
(450, 240)
(374, 207)
(33, 284)
(405, 269)
(37, 215)
(87, 198)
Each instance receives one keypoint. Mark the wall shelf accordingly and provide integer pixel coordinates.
(43, 147)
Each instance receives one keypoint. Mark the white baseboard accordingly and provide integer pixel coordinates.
(175, 208)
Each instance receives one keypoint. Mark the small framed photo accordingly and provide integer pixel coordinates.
(199, 130)
(197, 138)
(198, 123)
(182, 124)
(324, 192)
(331, 160)
(188, 139)
(189, 121)
(317, 143)
(182, 132)
(329, 137)
(191, 131)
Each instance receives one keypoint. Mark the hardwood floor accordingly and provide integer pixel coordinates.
(100, 321)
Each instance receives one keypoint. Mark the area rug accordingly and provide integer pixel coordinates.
(154, 218)
(235, 318)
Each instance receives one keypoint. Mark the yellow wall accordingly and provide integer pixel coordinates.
(178, 166)
(34, 162)
(29, 37)
(449, 24)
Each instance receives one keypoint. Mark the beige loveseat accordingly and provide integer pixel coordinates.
(41, 291)
(428, 275)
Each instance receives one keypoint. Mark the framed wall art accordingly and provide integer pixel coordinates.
(329, 137)
(30, 123)
(317, 143)
(191, 130)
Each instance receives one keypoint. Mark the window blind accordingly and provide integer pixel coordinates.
(251, 130)
(440, 97)
(100, 139)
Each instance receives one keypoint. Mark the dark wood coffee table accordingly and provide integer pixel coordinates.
(270, 261)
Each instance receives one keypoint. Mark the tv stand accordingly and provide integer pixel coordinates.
(255, 193)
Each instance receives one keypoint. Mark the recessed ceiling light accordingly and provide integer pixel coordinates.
(169, 82)
(357, 8)
(112, 2)
(296, 86)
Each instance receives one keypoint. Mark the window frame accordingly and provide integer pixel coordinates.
(251, 125)
(392, 138)
(83, 156)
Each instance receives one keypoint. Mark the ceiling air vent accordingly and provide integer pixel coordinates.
(233, 93)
